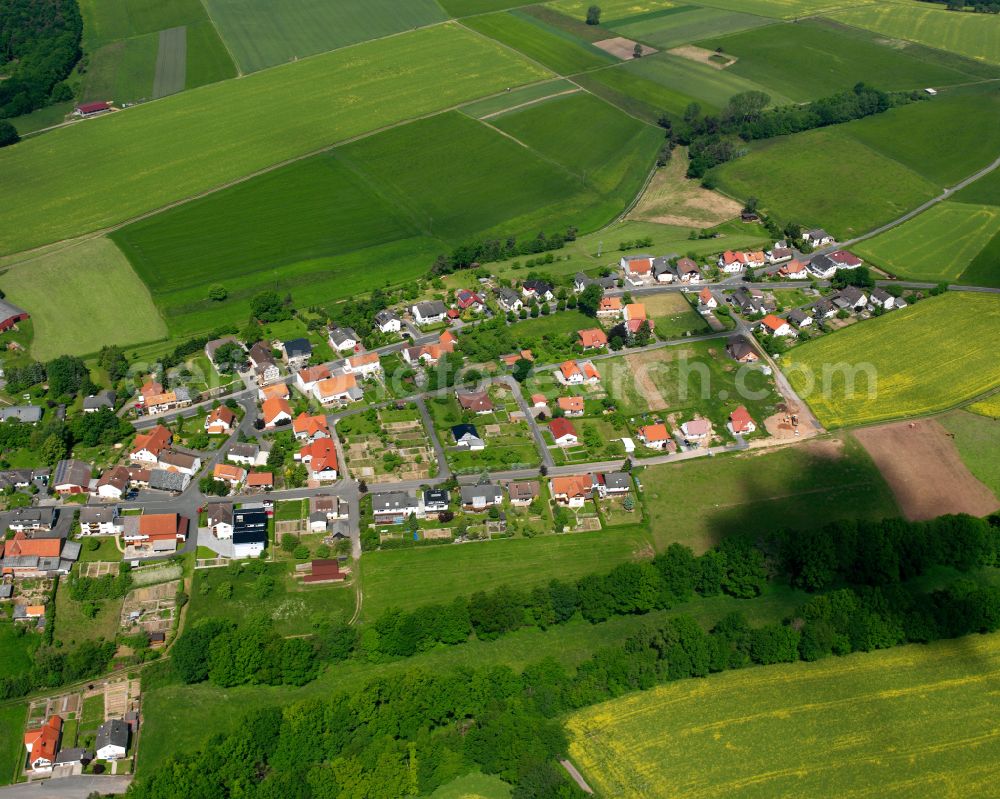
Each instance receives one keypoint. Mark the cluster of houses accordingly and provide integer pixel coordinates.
(573, 491)
(43, 744)
(36, 548)
(645, 270)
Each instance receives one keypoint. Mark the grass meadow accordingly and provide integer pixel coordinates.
(13, 719)
(782, 9)
(263, 34)
(977, 437)
(973, 35)
(683, 24)
(143, 158)
(860, 724)
(16, 650)
(939, 244)
(81, 297)
(826, 59)
(481, 109)
(700, 502)
(557, 50)
(634, 94)
(925, 358)
(984, 191)
(984, 270)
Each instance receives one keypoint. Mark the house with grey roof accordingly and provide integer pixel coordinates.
(614, 483)
(71, 477)
(479, 498)
(429, 313)
(102, 399)
(28, 414)
(343, 338)
(508, 299)
(388, 321)
(32, 519)
(162, 480)
(393, 507)
(113, 738)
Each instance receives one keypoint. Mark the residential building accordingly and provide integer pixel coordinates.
(696, 430)
(320, 458)
(436, 500)
(173, 461)
(296, 352)
(343, 339)
(571, 406)
(273, 391)
(881, 298)
(469, 300)
(741, 422)
(220, 421)
(638, 269)
(523, 492)
(776, 326)
(477, 402)
(42, 744)
(306, 378)
(163, 480)
(581, 281)
(367, 365)
(249, 532)
(429, 313)
(388, 321)
(576, 373)
(26, 414)
(113, 484)
(654, 436)
(482, 497)
(563, 432)
(393, 507)
(216, 344)
(10, 315)
(467, 437)
(276, 411)
(509, 300)
(113, 738)
(219, 518)
(338, 390)
(610, 308)
(794, 270)
(309, 428)
(148, 446)
(663, 272)
(592, 338)
(32, 520)
(265, 368)
(850, 298)
(161, 531)
(687, 271)
(102, 399)
(243, 454)
(614, 484)
(779, 254)
(740, 349)
(71, 477)
(540, 290)
(749, 301)
(817, 238)
(260, 481)
(512, 358)
(572, 491)
(324, 570)
(233, 476)
(799, 318)
(101, 520)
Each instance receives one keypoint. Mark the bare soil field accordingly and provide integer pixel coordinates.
(702, 56)
(644, 383)
(672, 199)
(923, 468)
(623, 48)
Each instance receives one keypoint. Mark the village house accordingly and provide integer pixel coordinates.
(696, 430)
(25, 557)
(540, 290)
(706, 300)
(310, 376)
(511, 359)
(367, 366)
(217, 343)
(480, 498)
(654, 436)
(733, 263)
(71, 477)
(173, 461)
(563, 432)
(429, 313)
(337, 390)
(779, 254)
(592, 338)
(824, 309)
(159, 531)
(577, 373)
(10, 315)
(244, 454)
(297, 352)
(233, 476)
(309, 428)
(394, 507)
(540, 402)
(467, 437)
(741, 422)
(388, 321)
(220, 421)
(799, 318)
(572, 491)
(265, 368)
(775, 326)
(522, 493)
(279, 390)
(612, 484)
(249, 532)
(113, 484)
(741, 350)
(219, 519)
(663, 272)
(343, 339)
(172, 481)
(850, 298)
(178, 397)
(275, 412)
(509, 300)
(260, 481)
(32, 520)
(880, 298)
(687, 271)
(467, 300)
(794, 270)
(320, 458)
(100, 520)
(749, 301)
(571, 406)
(477, 402)
(26, 414)
(436, 500)
(638, 269)
(42, 744)
(817, 238)
(98, 401)
(581, 281)
(610, 308)
(112, 740)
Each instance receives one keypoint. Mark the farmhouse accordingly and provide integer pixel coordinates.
(309, 428)
(571, 406)
(276, 411)
(563, 432)
(388, 321)
(10, 315)
(655, 436)
(573, 490)
(637, 268)
(92, 109)
(42, 744)
(296, 352)
(339, 389)
(71, 477)
(320, 458)
(592, 338)
(478, 402)
(740, 349)
(343, 339)
(393, 507)
(429, 313)
(467, 437)
(479, 498)
(310, 376)
(509, 300)
(366, 365)
(113, 484)
(220, 421)
(741, 422)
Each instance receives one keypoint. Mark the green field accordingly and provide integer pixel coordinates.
(406, 578)
(978, 441)
(481, 109)
(794, 177)
(463, 8)
(122, 71)
(315, 228)
(587, 136)
(292, 606)
(473, 786)
(82, 297)
(171, 62)
(986, 190)
(12, 722)
(892, 356)
(634, 94)
(702, 501)
(973, 35)
(901, 722)
(16, 650)
(827, 59)
(782, 9)
(114, 20)
(73, 627)
(683, 24)
(261, 33)
(158, 153)
(555, 49)
(939, 244)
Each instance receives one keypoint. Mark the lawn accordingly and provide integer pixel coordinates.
(974, 35)
(81, 298)
(560, 324)
(559, 51)
(391, 578)
(939, 244)
(154, 154)
(907, 721)
(978, 441)
(901, 364)
(91, 714)
(826, 59)
(291, 605)
(107, 550)
(12, 722)
(792, 176)
(73, 627)
(16, 649)
(588, 137)
(702, 501)
(673, 315)
(683, 24)
(262, 34)
(481, 109)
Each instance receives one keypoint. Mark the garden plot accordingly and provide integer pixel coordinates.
(99, 569)
(391, 448)
(156, 575)
(151, 609)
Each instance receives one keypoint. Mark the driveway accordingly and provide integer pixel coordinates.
(69, 788)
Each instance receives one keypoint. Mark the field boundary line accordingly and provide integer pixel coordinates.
(208, 13)
(537, 100)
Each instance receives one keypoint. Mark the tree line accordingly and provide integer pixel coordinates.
(488, 250)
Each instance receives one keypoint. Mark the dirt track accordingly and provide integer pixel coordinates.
(924, 470)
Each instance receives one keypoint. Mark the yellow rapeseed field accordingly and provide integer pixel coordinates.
(928, 357)
(912, 721)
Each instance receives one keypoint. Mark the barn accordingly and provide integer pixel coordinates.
(10, 315)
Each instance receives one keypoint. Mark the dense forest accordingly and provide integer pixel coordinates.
(39, 46)
(991, 7)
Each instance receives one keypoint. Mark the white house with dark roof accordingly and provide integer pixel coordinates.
(431, 312)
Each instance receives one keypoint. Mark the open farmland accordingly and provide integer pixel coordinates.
(444, 572)
(782, 9)
(82, 296)
(636, 95)
(700, 502)
(826, 59)
(939, 244)
(901, 722)
(683, 24)
(673, 199)
(977, 437)
(261, 33)
(900, 364)
(148, 156)
(553, 48)
(537, 92)
(973, 35)
(793, 176)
